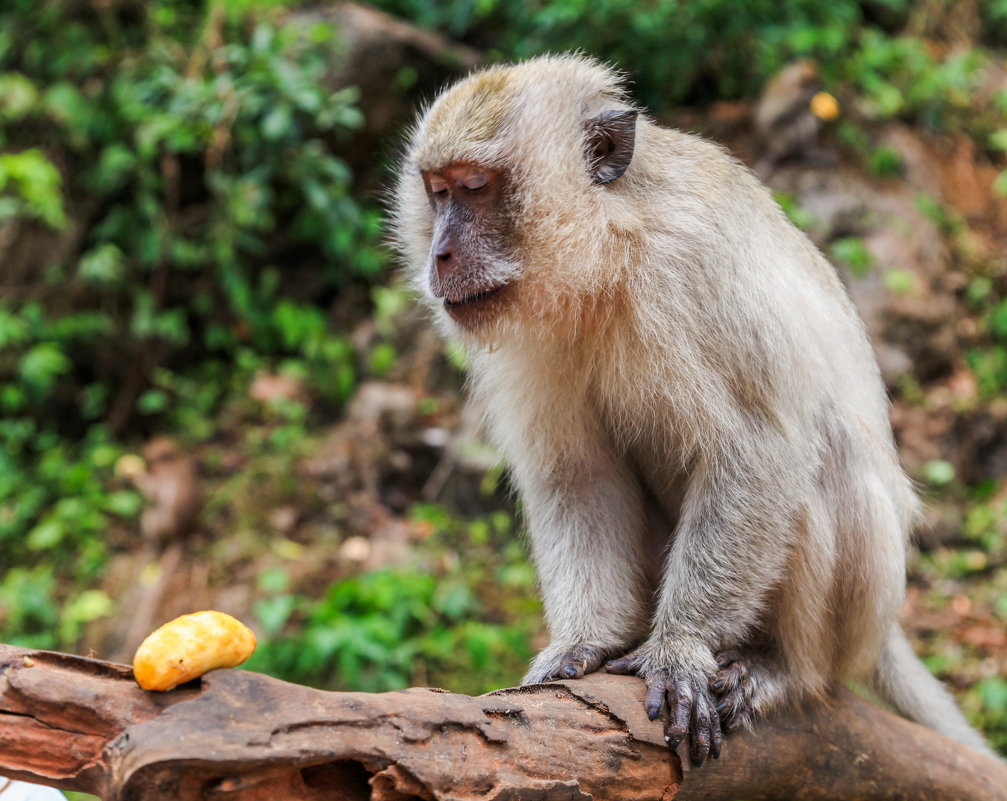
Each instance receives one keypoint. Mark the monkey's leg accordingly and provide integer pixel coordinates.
(730, 548)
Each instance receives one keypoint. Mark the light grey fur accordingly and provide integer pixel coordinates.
(688, 402)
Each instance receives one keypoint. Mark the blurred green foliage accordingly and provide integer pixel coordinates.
(173, 167)
(198, 147)
(703, 50)
(677, 50)
(466, 627)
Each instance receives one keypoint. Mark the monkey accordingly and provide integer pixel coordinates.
(688, 402)
(790, 115)
(168, 479)
(170, 484)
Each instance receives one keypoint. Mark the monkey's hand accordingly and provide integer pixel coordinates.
(733, 689)
(565, 661)
(678, 675)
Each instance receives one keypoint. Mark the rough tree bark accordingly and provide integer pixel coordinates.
(82, 724)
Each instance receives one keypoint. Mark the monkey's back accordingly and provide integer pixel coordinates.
(748, 340)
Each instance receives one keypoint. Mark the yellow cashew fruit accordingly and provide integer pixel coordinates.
(185, 648)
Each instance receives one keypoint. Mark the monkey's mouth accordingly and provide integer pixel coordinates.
(454, 303)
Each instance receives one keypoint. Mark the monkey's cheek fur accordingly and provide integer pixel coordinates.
(479, 309)
(185, 648)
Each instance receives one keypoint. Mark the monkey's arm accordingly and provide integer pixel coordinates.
(729, 551)
(730, 548)
(584, 512)
(586, 525)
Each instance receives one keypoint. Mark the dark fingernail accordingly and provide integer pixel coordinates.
(653, 711)
(568, 672)
(722, 707)
(718, 685)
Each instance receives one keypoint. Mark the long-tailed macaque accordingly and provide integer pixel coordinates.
(785, 123)
(171, 485)
(687, 399)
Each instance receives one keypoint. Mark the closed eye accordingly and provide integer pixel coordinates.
(475, 181)
(437, 185)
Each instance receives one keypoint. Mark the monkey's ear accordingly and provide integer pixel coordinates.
(610, 140)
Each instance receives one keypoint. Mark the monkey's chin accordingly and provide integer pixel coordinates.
(478, 309)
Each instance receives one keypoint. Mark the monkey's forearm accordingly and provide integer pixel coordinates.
(730, 549)
(587, 541)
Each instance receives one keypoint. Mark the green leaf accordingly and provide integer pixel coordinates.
(152, 401)
(46, 534)
(102, 264)
(273, 580)
(42, 364)
(277, 123)
(998, 319)
(273, 613)
(13, 329)
(998, 139)
(852, 252)
(123, 503)
(1000, 184)
(993, 692)
(32, 177)
(382, 358)
(938, 472)
(900, 282)
(18, 96)
(90, 605)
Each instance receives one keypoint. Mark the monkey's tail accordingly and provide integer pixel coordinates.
(904, 682)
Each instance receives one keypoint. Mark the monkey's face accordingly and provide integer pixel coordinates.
(471, 265)
(502, 208)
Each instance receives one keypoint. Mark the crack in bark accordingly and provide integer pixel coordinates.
(60, 726)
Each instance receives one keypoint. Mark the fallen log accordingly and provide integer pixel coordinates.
(83, 724)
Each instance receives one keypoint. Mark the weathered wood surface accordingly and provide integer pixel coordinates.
(83, 724)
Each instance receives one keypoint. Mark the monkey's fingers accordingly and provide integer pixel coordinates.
(718, 735)
(622, 666)
(654, 702)
(735, 713)
(732, 688)
(580, 659)
(729, 679)
(705, 736)
(680, 702)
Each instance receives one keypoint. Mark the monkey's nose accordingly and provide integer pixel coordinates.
(443, 252)
(445, 262)
(444, 257)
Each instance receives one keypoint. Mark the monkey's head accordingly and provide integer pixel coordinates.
(160, 451)
(508, 206)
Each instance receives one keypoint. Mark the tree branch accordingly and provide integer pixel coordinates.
(83, 724)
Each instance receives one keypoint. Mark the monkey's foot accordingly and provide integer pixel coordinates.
(733, 691)
(569, 661)
(684, 691)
